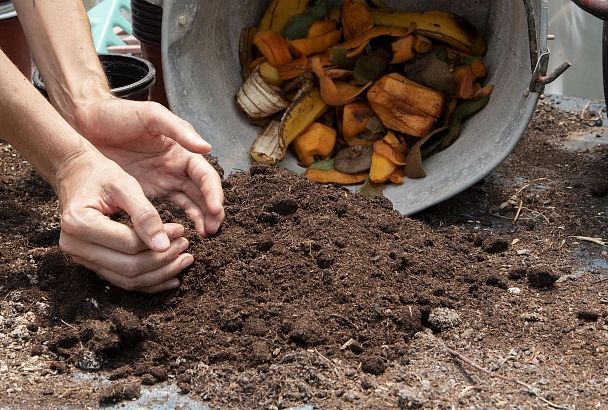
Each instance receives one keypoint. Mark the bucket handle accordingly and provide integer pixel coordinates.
(539, 48)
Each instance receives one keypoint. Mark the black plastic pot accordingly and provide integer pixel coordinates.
(147, 21)
(147, 26)
(129, 77)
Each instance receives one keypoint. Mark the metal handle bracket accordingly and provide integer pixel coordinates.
(539, 49)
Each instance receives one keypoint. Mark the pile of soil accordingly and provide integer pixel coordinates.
(315, 294)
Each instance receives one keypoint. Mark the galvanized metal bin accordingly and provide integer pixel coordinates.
(201, 62)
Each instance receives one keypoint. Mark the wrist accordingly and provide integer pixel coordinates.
(77, 106)
(71, 159)
(86, 109)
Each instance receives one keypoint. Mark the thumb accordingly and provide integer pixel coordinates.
(146, 220)
(168, 124)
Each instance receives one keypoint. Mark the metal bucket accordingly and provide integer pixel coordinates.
(201, 62)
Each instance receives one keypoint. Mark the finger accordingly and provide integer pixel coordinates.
(210, 186)
(163, 287)
(145, 218)
(161, 121)
(158, 277)
(168, 285)
(101, 230)
(130, 265)
(192, 209)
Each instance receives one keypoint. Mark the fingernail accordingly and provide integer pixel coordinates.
(174, 284)
(161, 241)
(212, 226)
(187, 261)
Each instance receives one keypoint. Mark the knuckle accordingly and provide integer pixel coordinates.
(146, 214)
(152, 113)
(65, 244)
(129, 269)
(128, 246)
(70, 222)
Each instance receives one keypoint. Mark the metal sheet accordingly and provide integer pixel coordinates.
(201, 65)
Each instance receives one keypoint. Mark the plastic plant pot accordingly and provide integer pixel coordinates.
(129, 77)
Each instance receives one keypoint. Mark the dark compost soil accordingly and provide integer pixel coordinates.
(314, 294)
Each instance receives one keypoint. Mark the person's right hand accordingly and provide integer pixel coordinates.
(146, 258)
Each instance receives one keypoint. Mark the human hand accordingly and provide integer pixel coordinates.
(162, 151)
(145, 258)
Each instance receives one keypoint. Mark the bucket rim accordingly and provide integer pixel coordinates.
(126, 90)
(148, 78)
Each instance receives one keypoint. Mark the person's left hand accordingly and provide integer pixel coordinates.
(162, 151)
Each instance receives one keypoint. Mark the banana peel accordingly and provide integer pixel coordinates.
(440, 25)
(258, 99)
(269, 147)
(279, 12)
(301, 114)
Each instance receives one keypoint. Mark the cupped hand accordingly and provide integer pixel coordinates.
(162, 151)
(145, 258)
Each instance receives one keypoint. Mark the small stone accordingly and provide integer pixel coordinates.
(441, 319)
(88, 361)
(409, 401)
(531, 317)
(350, 396)
(515, 291)
(118, 392)
(350, 373)
(367, 384)
(48, 392)
(588, 315)
(468, 333)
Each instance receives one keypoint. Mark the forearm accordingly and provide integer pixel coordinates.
(33, 127)
(59, 36)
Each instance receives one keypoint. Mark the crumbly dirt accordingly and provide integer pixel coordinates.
(317, 295)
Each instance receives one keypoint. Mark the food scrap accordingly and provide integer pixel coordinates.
(359, 92)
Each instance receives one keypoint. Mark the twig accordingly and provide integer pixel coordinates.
(67, 324)
(597, 241)
(468, 389)
(521, 204)
(331, 364)
(531, 390)
(538, 212)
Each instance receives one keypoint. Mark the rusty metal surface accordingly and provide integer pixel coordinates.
(200, 59)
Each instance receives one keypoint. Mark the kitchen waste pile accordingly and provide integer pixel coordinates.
(359, 91)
